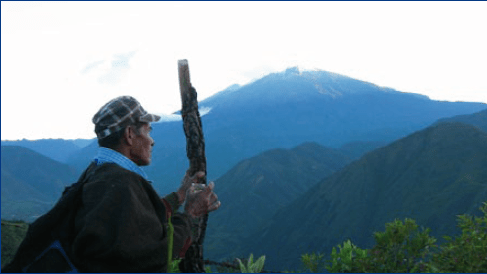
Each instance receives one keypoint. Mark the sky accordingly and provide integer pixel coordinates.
(62, 61)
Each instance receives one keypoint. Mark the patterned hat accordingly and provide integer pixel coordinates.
(119, 113)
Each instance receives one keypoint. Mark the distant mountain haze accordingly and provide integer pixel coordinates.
(57, 149)
(31, 182)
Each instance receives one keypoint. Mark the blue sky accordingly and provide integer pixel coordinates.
(61, 61)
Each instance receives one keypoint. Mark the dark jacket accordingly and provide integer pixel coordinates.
(118, 224)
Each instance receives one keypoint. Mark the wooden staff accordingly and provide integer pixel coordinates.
(195, 150)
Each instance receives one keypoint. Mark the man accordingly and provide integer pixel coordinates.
(121, 223)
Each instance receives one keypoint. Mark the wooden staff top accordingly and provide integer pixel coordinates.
(184, 80)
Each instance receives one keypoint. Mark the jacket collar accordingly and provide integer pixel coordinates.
(106, 155)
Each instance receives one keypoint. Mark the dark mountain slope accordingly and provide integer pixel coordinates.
(431, 176)
(256, 188)
(31, 182)
(355, 150)
(478, 119)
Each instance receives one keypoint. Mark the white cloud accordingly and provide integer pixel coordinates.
(109, 71)
(92, 66)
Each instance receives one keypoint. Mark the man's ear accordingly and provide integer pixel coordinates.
(129, 135)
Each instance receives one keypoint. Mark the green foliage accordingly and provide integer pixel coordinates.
(13, 233)
(313, 263)
(466, 253)
(401, 248)
(343, 261)
(252, 267)
(174, 267)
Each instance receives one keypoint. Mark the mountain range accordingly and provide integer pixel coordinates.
(478, 119)
(284, 110)
(57, 149)
(430, 176)
(256, 188)
(301, 161)
(31, 182)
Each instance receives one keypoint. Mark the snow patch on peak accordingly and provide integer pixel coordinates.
(232, 87)
(177, 116)
(292, 71)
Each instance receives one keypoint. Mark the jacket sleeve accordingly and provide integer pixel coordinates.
(121, 227)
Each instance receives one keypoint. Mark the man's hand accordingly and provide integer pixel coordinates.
(201, 199)
(186, 184)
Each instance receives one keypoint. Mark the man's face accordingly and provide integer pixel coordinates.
(141, 151)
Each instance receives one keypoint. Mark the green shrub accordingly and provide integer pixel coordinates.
(466, 253)
(403, 247)
(252, 267)
(345, 261)
(313, 263)
(400, 248)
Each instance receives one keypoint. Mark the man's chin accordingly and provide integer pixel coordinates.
(144, 163)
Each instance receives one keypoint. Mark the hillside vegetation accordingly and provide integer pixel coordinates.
(256, 188)
(478, 119)
(31, 182)
(13, 232)
(430, 176)
(402, 247)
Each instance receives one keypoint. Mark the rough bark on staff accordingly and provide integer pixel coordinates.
(195, 142)
(195, 150)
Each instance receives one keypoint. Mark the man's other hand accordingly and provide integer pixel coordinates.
(186, 184)
(201, 200)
